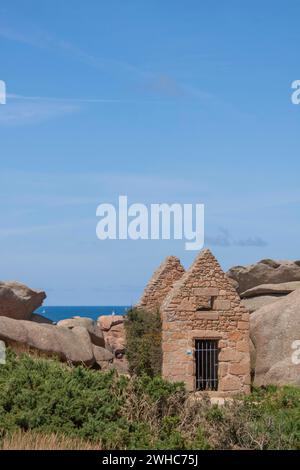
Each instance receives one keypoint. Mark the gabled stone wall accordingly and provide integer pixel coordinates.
(160, 284)
(205, 305)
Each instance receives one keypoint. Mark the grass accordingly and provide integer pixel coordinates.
(31, 440)
(47, 405)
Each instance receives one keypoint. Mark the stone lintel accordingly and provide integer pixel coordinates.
(206, 291)
(204, 334)
(205, 315)
(222, 305)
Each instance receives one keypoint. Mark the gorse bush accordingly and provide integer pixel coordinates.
(40, 398)
(46, 396)
(143, 342)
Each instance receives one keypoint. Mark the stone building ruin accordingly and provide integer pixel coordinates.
(160, 284)
(205, 328)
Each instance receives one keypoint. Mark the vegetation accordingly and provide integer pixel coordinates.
(143, 342)
(44, 401)
(32, 440)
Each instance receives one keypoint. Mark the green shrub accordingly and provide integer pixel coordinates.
(47, 396)
(116, 412)
(143, 342)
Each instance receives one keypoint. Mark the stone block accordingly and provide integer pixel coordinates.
(235, 336)
(222, 305)
(229, 354)
(230, 383)
(206, 291)
(243, 325)
(243, 346)
(187, 305)
(205, 315)
(239, 368)
(223, 369)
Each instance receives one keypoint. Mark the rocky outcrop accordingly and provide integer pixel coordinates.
(19, 301)
(89, 324)
(40, 319)
(264, 272)
(103, 357)
(114, 333)
(273, 329)
(106, 322)
(160, 284)
(68, 345)
(265, 294)
(107, 360)
(254, 303)
(77, 340)
(283, 288)
(121, 366)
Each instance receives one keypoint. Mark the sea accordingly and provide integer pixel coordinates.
(56, 313)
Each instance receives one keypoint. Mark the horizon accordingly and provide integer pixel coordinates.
(159, 102)
(80, 306)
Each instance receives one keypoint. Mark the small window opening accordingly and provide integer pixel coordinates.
(206, 355)
(206, 304)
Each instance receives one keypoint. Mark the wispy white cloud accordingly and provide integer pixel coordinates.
(165, 85)
(251, 241)
(91, 187)
(13, 35)
(158, 82)
(225, 239)
(22, 109)
(13, 96)
(20, 113)
(44, 40)
(23, 230)
(161, 83)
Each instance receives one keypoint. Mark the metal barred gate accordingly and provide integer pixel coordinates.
(206, 352)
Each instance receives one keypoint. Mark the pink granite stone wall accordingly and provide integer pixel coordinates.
(204, 304)
(160, 284)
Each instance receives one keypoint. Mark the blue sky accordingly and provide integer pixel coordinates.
(162, 101)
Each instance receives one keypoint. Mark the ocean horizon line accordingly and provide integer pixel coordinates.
(83, 305)
(61, 312)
